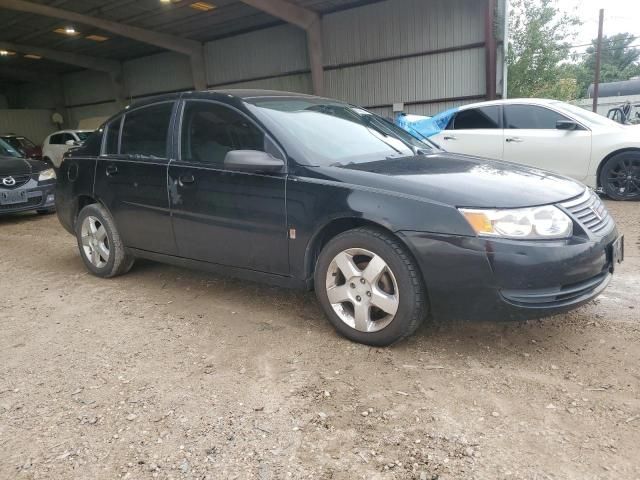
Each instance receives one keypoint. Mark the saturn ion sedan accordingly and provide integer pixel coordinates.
(308, 192)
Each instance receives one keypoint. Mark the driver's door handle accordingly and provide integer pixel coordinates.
(111, 170)
(450, 137)
(514, 140)
(186, 180)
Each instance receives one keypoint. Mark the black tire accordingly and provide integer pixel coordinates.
(620, 176)
(412, 303)
(119, 261)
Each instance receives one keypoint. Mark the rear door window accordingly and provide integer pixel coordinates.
(146, 131)
(484, 118)
(56, 139)
(531, 117)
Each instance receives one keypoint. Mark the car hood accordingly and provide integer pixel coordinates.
(20, 166)
(458, 180)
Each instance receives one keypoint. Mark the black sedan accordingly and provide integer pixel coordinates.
(25, 184)
(309, 192)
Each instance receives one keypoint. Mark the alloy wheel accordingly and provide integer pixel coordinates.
(362, 290)
(623, 177)
(95, 242)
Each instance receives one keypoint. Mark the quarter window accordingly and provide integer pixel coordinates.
(477, 119)
(210, 131)
(146, 130)
(531, 117)
(112, 136)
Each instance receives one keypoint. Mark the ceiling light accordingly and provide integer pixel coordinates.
(97, 38)
(67, 31)
(33, 56)
(6, 53)
(202, 6)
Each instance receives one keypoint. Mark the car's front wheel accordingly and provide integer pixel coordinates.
(370, 287)
(99, 242)
(620, 176)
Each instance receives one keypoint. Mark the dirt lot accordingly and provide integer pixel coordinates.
(169, 373)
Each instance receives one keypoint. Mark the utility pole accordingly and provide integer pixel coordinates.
(596, 84)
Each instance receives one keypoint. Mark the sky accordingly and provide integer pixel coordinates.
(619, 16)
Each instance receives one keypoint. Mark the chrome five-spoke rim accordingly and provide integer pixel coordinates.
(95, 241)
(362, 290)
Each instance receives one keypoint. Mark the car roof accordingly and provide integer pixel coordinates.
(221, 94)
(511, 101)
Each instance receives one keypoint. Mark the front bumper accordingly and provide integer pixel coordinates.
(40, 196)
(470, 278)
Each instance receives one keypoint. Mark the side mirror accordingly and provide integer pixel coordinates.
(252, 161)
(566, 125)
(70, 143)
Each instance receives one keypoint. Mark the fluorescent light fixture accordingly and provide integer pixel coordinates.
(202, 6)
(97, 38)
(33, 56)
(6, 53)
(70, 31)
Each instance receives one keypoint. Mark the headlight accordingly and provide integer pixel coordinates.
(520, 223)
(48, 174)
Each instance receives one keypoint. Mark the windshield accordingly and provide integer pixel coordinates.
(586, 115)
(333, 133)
(7, 150)
(83, 135)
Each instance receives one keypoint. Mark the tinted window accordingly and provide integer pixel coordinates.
(531, 117)
(146, 130)
(66, 137)
(477, 118)
(209, 131)
(56, 139)
(111, 139)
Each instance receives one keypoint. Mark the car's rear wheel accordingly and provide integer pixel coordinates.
(99, 242)
(620, 176)
(370, 287)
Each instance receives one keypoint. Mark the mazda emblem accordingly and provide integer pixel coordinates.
(8, 181)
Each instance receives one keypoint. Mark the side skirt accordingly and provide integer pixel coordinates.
(241, 273)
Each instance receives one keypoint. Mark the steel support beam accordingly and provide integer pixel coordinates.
(310, 22)
(173, 43)
(491, 47)
(84, 61)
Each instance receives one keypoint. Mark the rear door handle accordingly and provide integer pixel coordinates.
(111, 170)
(514, 140)
(450, 137)
(186, 180)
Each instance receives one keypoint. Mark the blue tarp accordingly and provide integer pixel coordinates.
(424, 126)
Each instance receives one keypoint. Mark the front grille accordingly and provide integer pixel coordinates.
(32, 202)
(19, 179)
(589, 211)
(557, 296)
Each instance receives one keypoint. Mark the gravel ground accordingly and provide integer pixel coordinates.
(169, 373)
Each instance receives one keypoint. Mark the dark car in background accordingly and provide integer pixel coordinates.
(25, 184)
(24, 145)
(302, 191)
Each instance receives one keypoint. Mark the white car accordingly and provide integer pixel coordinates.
(549, 135)
(58, 143)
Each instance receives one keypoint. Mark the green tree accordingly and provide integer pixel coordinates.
(619, 61)
(539, 47)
